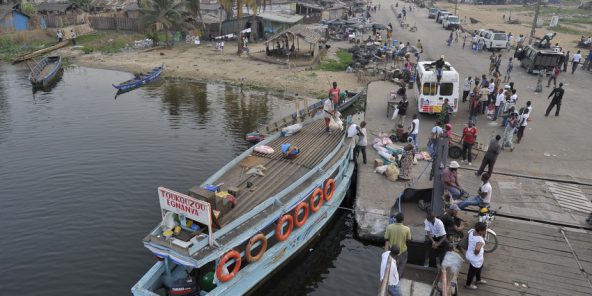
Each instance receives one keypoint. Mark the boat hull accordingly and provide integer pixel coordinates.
(127, 86)
(41, 78)
(255, 273)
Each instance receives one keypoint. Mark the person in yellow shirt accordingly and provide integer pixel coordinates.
(398, 234)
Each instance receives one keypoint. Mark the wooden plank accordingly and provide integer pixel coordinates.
(40, 52)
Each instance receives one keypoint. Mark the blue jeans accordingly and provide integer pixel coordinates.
(475, 201)
(395, 290)
(455, 192)
(414, 137)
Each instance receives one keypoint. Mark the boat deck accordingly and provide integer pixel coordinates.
(314, 144)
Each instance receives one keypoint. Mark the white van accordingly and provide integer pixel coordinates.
(430, 96)
(494, 39)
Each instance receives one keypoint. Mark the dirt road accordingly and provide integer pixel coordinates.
(551, 145)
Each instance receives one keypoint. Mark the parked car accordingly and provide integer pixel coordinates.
(441, 15)
(432, 12)
(451, 22)
(492, 39)
(534, 60)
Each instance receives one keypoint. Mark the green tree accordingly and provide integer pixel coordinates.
(167, 13)
(29, 8)
(82, 4)
(194, 7)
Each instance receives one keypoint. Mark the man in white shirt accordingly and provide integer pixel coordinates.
(575, 61)
(522, 123)
(393, 287)
(499, 99)
(352, 130)
(467, 88)
(483, 199)
(436, 242)
(328, 112)
(362, 142)
(414, 130)
(513, 99)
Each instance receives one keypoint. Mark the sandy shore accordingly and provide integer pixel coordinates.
(204, 63)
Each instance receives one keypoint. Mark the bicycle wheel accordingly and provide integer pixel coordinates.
(490, 242)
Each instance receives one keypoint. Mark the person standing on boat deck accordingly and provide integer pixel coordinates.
(328, 113)
(397, 234)
(362, 142)
(334, 94)
(73, 37)
(393, 286)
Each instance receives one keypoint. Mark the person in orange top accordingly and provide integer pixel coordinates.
(334, 94)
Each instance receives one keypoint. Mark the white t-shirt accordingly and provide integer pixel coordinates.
(436, 229)
(352, 130)
(487, 189)
(474, 239)
(513, 99)
(393, 273)
(222, 44)
(491, 87)
(362, 139)
(524, 119)
(577, 57)
(467, 85)
(499, 99)
(416, 126)
(328, 108)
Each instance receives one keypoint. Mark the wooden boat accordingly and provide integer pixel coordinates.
(140, 80)
(260, 134)
(45, 71)
(266, 218)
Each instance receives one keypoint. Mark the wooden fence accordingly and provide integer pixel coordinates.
(60, 21)
(115, 23)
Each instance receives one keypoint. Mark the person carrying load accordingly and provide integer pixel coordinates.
(290, 151)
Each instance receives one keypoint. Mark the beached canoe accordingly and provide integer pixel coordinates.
(45, 71)
(140, 80)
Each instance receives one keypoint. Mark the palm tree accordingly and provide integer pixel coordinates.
(254, 5)
(228, 5)
(195, 9)
(167, 13)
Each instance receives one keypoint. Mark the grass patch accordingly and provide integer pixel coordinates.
(108, 42)
(15, 44)
(568, 30)
(344, 59)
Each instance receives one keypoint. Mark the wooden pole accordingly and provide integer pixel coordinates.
(534, 21)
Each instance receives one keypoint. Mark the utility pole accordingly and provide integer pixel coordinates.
(534, 21)
(455, 5)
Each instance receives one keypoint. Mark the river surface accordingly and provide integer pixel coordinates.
(79, 172)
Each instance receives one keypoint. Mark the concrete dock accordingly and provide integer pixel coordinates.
(544, 241)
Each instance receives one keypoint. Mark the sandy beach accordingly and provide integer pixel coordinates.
(205, 63)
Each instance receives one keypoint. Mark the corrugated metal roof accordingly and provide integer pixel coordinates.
(281, 18)
(59, 7)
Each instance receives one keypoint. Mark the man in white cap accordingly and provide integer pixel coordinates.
(439, 67)
(450, 180)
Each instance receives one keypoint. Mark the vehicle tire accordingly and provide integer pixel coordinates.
(454, 152)
(490, 243)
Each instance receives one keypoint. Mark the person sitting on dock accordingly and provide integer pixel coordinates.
(436, 240)
(450, 180)
(483, 199)
(453, 225)
(329, 112)
(397, 234)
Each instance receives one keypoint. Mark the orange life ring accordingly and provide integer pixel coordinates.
(280, 226)
(302, 206)
(258, 237)
(318, 192)
(226, 277)
(329, 184)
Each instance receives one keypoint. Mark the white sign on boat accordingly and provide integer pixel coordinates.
(181, 204)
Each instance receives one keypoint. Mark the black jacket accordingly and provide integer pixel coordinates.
(557, 94)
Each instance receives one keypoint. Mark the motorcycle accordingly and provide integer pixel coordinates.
(487, 216)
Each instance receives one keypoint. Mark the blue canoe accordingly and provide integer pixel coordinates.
(45, 71)
(140, 80)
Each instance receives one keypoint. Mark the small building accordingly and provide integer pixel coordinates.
(311, 12)
(276, 22)
(333, 11)
(300, 45)
(12, 20)
(46, 8)
(131, 10)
